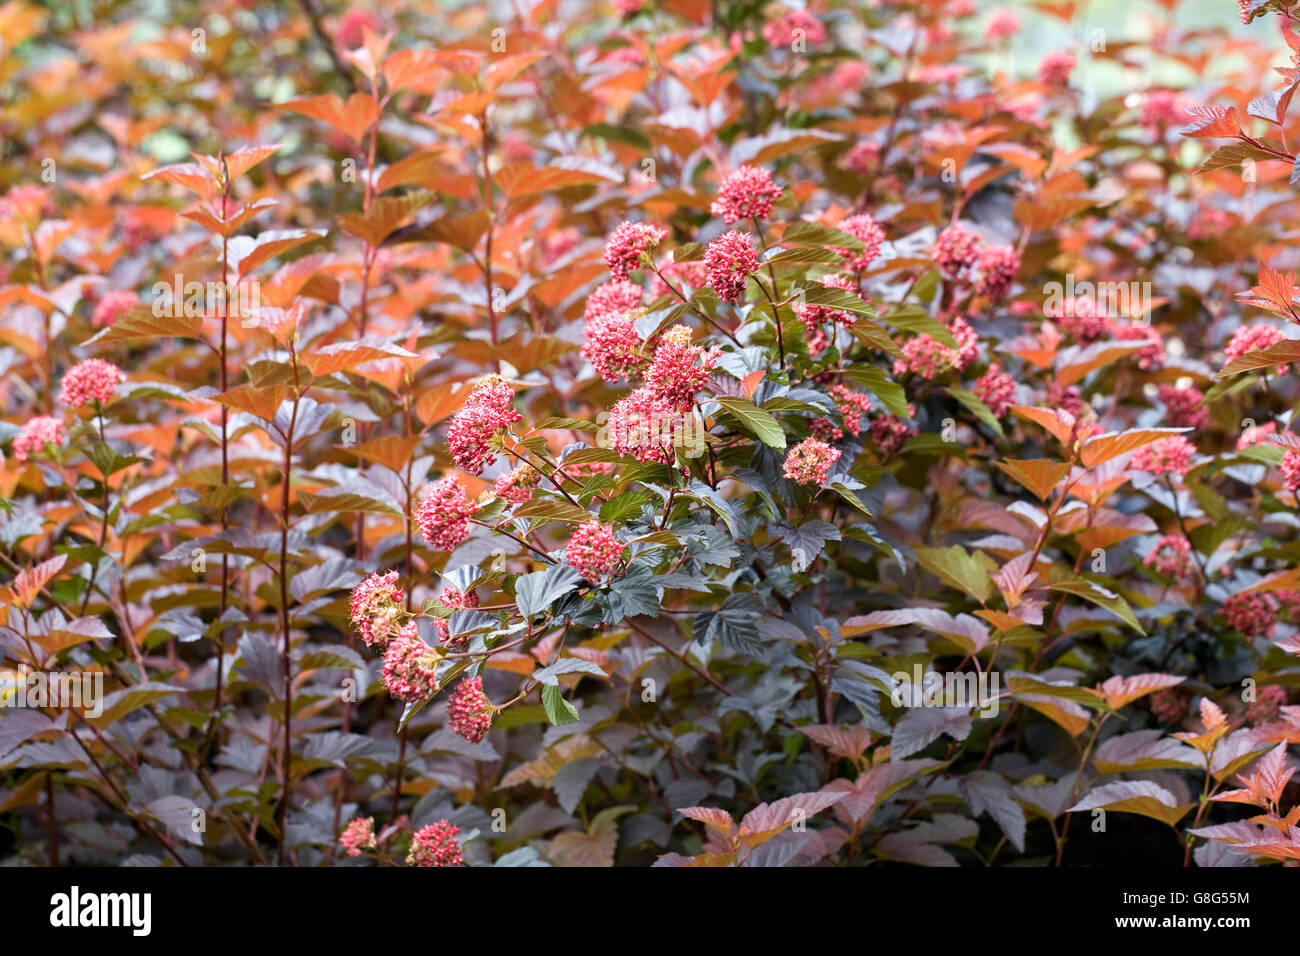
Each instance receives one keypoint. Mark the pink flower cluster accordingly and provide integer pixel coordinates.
(730, 260)
(516, 486)
(613, 346)
(1266, 707)
(1168, 706)
(852, 406)
(93, 380)
(594, 550)
(1055, 68)
(891, 433)
(1168, 456)
(488, 410)
(928, 357)
(1183, 405)
(1004, 23)
(36, 432)
(1252, 338)
(410, 667)
(644, 426)
(996, 389)
(813, 316)
(112, 307)
(631, 241)
(1291, 471)
(955, 251)
(442, 516)
(1170, 557)
(1079, 318)
(865, 229)
(435, 845)
(617, 295)
(1251, 612)
(375, 608)
(1151, 355)
(358, 835)
(809, 462)
(454, 599)
(469, 712)
(794, 25)
(747, 193)
(674, 376)
(997, 267)
(1160, 109)
(862, 157)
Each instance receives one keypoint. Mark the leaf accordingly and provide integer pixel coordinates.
(1102, 448)
(1039, 475)
(922, 726)
(976, 407)
(1135, 796)
(28, 582)
(1234, 154)
(73, 633)
(807, 540)
(1118, 691)
(913, 318)
(1059, 579)
(967, 572)
(763, 425)
(566, 665)
(553, 509)
(879, 384)
(247, 253)
(122, 702)
(1282, 353)
(1145, 750)
(352, 118)
(346, 355)
(1212, 122)
(734, 624)
(141, 325)
(558, 710)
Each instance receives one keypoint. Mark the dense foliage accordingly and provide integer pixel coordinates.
(674, 433)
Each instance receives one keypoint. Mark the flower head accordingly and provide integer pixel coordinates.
(112, 307)
(410, 666)
(488, 410)
(442, 515)
(1004, 23)
(375, 607)
(1168, 456)
(862, 157)
(730, 260)
(955, 251)
(613, 346)
(629, 242)
(594, 550)
(93, 380)
(928, 357)
(1170, 557)
(644, 426)
(1055, 68)
(516, 486)
(1251, 612)
(36, 432)
(809, 462)
(1079, 318)
(1291, 471)
(1252, 338)
(748, 192)
(996, 389)
(864, 228)
(469, 712)
(435, 845)
(997, 267)
(618, 295)
(1183, 406)
(679, 369)
(793, 26)
(358, 835)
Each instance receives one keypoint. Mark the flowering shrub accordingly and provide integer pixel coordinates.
(648, 434)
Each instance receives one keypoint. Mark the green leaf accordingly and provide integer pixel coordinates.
(961, 570)
(1060, 579)
(767, 428)
(913, 318)
(874, 379)
(537, 591)
(558, 710)
(976, 407)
